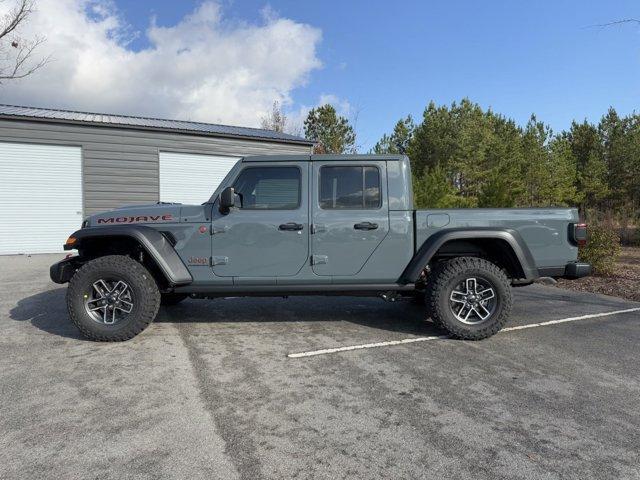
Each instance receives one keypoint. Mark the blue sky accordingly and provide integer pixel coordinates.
(388, 59)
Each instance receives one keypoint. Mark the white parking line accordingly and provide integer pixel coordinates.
(570, 319)
(326, 351)
(366, 345)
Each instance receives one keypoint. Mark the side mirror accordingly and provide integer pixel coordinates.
(227, 199)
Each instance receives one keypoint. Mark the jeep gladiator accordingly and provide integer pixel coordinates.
(314, 225)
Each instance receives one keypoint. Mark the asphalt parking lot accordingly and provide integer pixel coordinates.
(208, 391)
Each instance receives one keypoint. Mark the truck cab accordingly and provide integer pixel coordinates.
(304, 220)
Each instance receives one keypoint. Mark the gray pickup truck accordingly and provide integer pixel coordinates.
(314, 225)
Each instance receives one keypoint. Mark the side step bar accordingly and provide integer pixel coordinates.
(279, 290)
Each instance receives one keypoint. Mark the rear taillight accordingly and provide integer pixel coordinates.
(578, 233)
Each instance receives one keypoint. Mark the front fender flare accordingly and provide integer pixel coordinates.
(431, 245)
(152, 241)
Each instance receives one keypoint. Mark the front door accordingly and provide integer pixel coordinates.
(268, 235)
(349, 215)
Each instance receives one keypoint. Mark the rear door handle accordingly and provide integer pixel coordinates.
(365, 226)
(291, 226)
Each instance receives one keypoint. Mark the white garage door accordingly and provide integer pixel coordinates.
(190, 178)
(40, 197)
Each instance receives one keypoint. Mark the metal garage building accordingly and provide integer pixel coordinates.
(58, 166)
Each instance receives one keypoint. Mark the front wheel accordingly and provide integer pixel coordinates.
(112, 298)
(469, 297)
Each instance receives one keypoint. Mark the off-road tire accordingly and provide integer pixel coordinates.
(144, 290)
(443, 279)
(169, 299)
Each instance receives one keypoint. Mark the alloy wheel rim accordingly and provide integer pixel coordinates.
(473, 300)
(109, 302)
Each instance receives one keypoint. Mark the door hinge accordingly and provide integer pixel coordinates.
(219, 261)
(319, 259)
(317, 228)
(215, 229)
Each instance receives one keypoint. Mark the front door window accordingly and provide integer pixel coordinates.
(269, 188)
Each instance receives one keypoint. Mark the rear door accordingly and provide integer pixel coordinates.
(349, 215)
(268, 236)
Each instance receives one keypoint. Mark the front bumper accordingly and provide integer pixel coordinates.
(62, 271)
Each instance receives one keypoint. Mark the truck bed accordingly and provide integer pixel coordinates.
(545, 230)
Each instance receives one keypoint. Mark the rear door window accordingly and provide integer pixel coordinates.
(346, 187)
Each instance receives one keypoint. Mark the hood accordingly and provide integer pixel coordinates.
(139, 214)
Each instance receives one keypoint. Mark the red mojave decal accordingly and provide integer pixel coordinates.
(139, 219)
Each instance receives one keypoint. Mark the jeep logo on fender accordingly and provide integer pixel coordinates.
(198, 261)
(142, 218)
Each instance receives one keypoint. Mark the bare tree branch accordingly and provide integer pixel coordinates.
(275, 120)
(22, 67)
(616, 22)
(16, 17)
(17, 53)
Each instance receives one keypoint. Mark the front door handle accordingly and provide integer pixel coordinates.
(291, 226)
(365, 226)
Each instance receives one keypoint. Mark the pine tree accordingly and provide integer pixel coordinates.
(398, 141)
(476, 149)
(432, 189)
(560, 189)
(331, 132)
(463, 155)
(591, 179)
(621, 152)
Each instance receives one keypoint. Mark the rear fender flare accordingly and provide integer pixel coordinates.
(431, 245)
(152, 241)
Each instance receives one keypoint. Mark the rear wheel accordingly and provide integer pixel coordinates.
(112, 298)
(469, 297)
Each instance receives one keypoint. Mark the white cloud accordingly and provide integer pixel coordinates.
(342, 106)
(203, 68)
